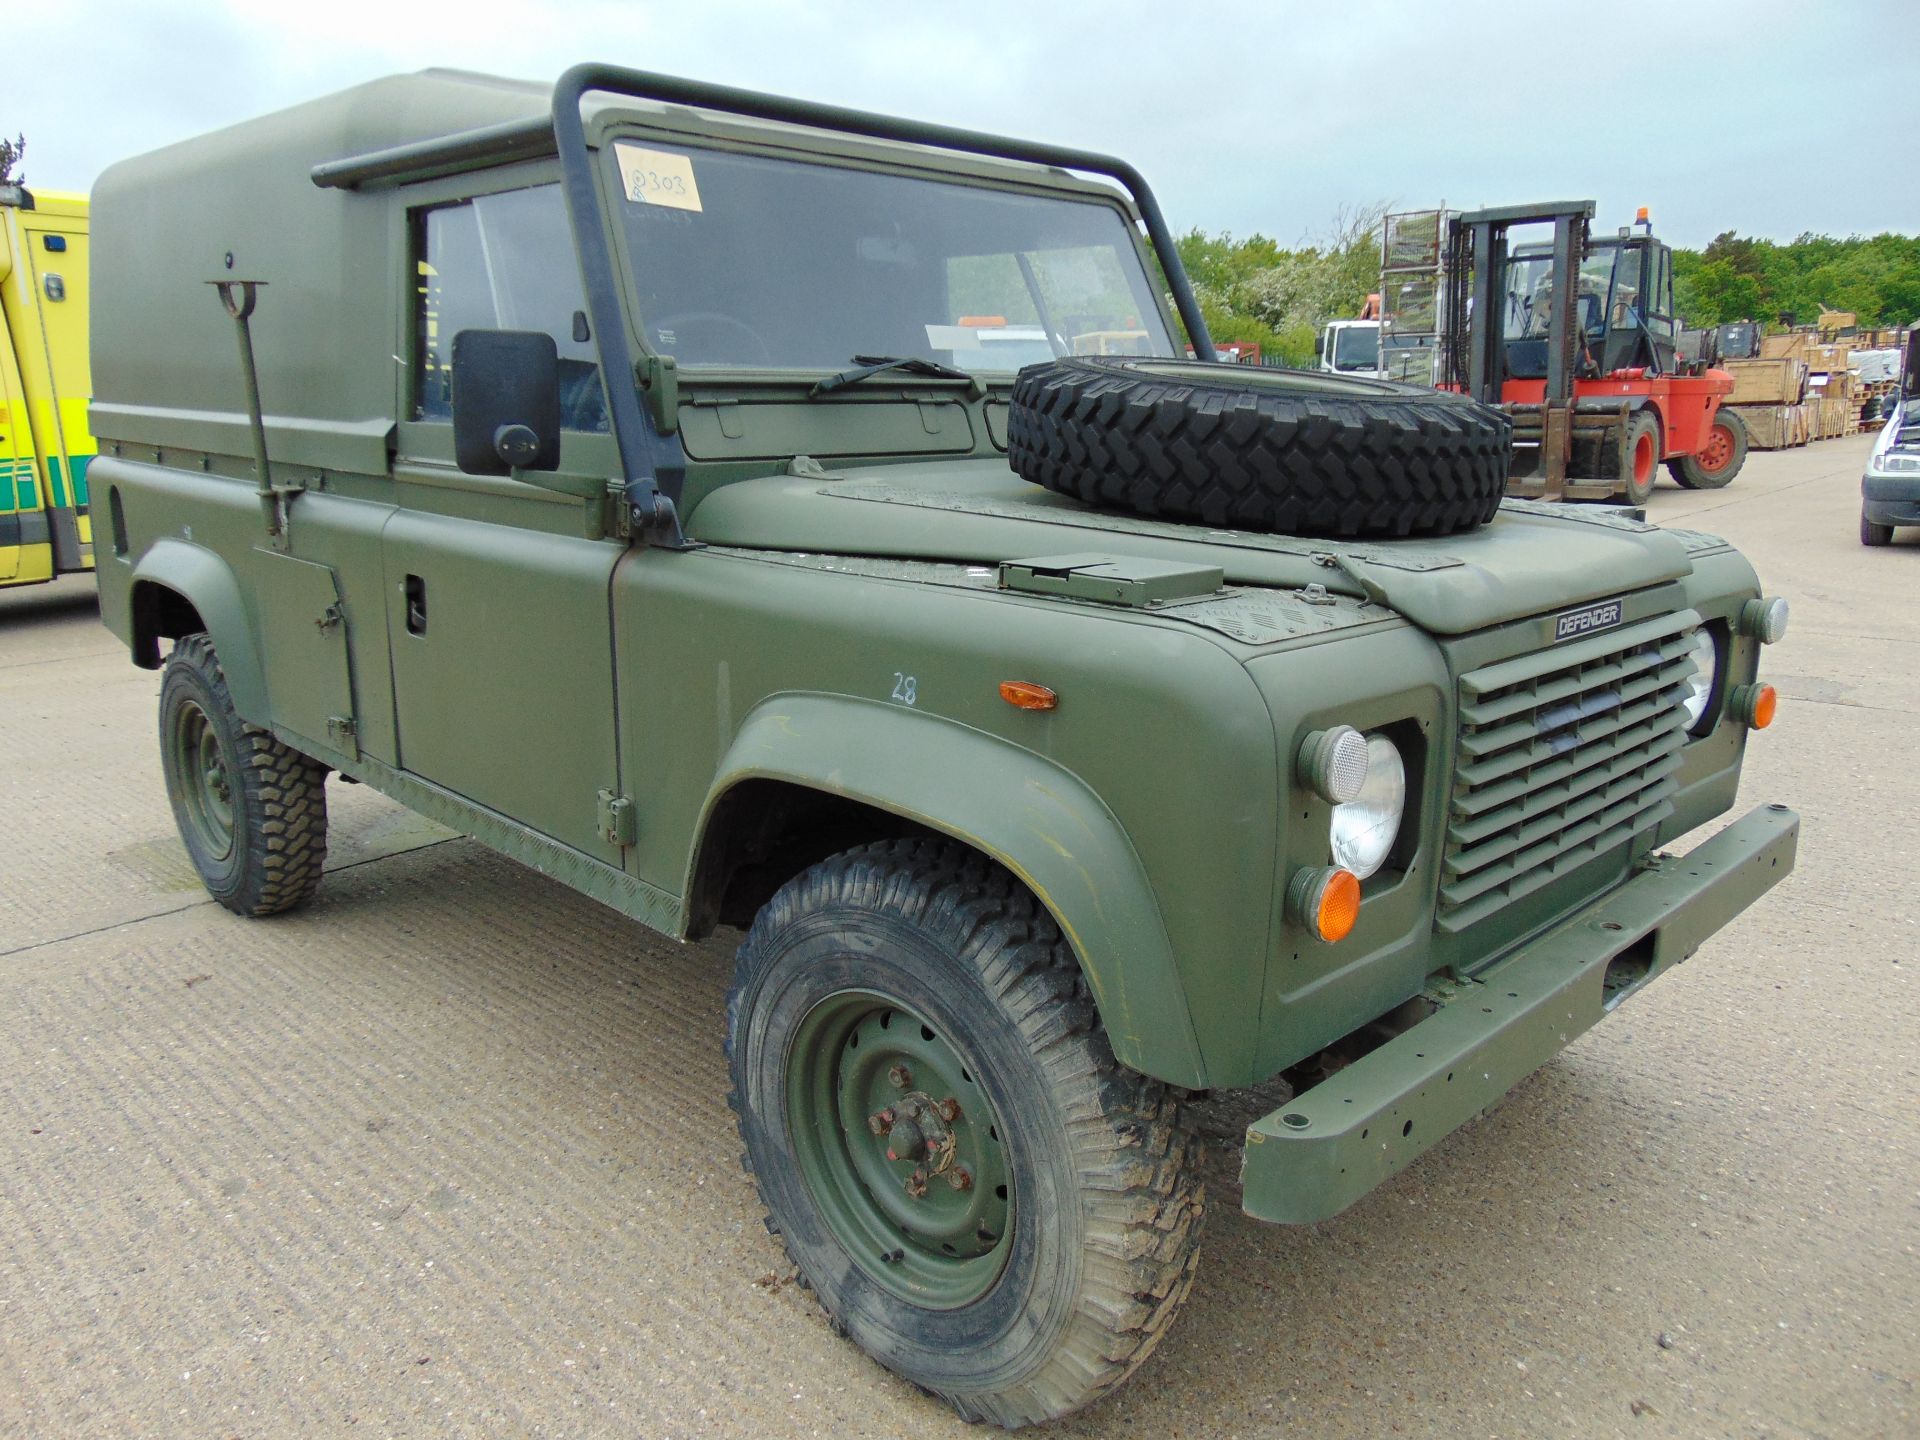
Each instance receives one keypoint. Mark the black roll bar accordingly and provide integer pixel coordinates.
(643, 449)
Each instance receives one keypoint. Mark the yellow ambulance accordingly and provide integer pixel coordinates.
(44, 387)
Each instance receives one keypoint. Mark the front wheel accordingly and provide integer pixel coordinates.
(976, 1191)
(1872, 534)
(1640, 458)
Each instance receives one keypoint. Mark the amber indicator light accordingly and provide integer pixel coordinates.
(1765, 701)
(1339, 906)
(1025, 695)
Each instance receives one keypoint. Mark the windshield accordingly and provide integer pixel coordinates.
(1530, 288)
(1356, 348)
(746, 261)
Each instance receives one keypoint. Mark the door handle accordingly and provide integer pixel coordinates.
(416, 592)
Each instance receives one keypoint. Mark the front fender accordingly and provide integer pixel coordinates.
(1029, 814)
(208, 583)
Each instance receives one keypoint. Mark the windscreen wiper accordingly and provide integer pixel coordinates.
(868, 365)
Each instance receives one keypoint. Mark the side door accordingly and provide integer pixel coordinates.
(56, 255)
(19, 498)
(497, 591)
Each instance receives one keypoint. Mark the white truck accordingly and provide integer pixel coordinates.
(1364, 347)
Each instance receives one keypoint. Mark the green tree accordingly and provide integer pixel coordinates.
(11, 153)
(1256, 291)
(1711, 292)
(1737, 278)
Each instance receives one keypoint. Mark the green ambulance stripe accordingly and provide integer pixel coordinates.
(62, 480)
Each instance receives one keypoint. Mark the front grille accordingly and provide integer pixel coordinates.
(1564, 754)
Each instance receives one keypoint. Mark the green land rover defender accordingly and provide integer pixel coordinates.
(760, 513)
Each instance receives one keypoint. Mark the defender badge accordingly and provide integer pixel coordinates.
(1586, 620)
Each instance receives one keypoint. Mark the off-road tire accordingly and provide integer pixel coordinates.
(1637, 479)
(1872, 534)
(1690, 471)
(1282, 451)
(275, 797)
(1102, 1231)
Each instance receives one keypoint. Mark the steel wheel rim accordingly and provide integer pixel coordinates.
(1719, 450)
(1643, 461)
(206, 784)
(947, 1246)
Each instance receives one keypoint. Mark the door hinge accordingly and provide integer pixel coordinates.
(618, 825)
(343, 734)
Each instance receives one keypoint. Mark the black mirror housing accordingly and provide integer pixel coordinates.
(506, 401)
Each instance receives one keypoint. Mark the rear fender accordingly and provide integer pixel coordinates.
(208, 584)
(1023, 811)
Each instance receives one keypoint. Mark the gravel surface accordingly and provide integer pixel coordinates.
(448, 1152)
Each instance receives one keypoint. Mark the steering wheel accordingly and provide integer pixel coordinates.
(671, 325)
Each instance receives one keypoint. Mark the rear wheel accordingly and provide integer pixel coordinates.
(1719, 459)
(1640, 458)
(978, 1193)
(1872, 534)
(252, 812)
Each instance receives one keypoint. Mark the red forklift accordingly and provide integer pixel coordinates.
(1573, 337)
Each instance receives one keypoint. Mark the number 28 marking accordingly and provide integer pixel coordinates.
(906, 689)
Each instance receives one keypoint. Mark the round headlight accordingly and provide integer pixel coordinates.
(1364, 828)
(1699, 691)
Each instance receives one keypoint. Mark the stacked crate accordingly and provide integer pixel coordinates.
(1798, 390)
(1769, 393)
(1831, 391)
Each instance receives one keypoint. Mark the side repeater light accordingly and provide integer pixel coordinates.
(1333, 763)
(1326, 901)
(1025, 695)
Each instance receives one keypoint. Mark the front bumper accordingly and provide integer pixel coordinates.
(1326, 1148)
(1890, 499)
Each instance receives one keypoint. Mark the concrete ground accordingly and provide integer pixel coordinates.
(448, 1152)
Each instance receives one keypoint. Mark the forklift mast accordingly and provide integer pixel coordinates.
(1476, 352)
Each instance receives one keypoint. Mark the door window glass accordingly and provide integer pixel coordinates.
(502, 262)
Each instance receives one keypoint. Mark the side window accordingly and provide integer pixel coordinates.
(1659, 308)
(501, 262)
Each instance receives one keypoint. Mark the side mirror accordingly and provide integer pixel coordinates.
(1319, 346)
(506, 401)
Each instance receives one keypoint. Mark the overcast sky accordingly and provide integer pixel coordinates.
(1762, 116)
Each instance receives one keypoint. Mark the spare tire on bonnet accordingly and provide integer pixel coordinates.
(1294, 452)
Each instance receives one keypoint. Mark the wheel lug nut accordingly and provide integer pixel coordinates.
(880, 1124)
(960, 1178)
(901, 1077)
(949, 1109)
(916, 1184)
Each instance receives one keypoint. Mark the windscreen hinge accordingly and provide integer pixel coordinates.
(659, 381)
